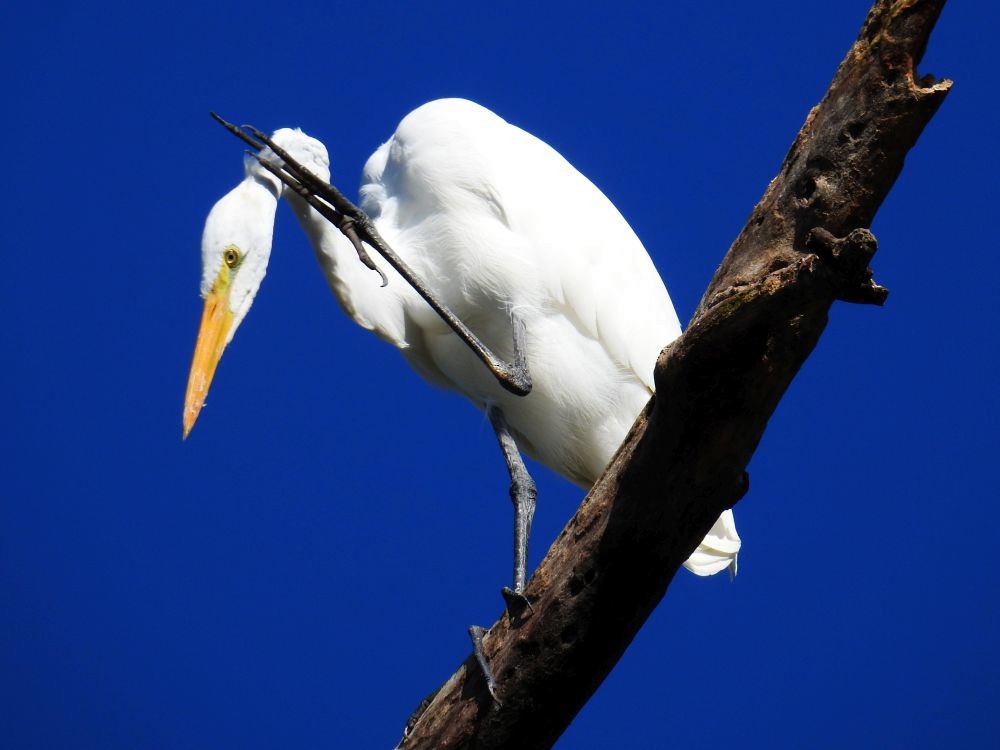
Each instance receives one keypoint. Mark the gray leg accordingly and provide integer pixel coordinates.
(522, 494)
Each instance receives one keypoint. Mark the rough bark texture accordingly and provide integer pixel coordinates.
(684, 461)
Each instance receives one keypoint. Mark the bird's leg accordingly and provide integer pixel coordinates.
(523, 494)
(356, 226)
(518, 369)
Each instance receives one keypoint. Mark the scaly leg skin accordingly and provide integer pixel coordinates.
(523, 494)
(515, 374)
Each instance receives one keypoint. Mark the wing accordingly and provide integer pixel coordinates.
(494, 218)
(455, 176)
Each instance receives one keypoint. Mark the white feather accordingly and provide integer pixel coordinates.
(496, 222)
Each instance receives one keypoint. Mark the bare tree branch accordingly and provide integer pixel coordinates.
(684, 461)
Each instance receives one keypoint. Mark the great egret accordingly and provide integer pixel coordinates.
(520, 246)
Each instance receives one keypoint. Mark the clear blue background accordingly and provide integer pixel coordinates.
(301, 572)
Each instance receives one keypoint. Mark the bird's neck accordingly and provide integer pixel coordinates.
(357, 288)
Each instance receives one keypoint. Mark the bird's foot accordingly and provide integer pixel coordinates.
(476, 633)
(517, 602)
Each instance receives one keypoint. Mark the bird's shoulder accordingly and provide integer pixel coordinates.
(543, 235)
(444, 152)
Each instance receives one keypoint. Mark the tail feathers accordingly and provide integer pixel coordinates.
(718, 550)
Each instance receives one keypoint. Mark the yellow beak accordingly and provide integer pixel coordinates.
(216, 320)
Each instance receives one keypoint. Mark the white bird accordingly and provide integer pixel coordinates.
(506, 233)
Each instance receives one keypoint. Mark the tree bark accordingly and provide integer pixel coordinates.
(804, 246)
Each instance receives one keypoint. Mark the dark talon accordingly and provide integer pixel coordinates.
(237, 132)
(476, 633)
(516, 602)
(346, 226)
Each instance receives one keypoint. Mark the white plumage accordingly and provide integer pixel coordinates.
(497, 223)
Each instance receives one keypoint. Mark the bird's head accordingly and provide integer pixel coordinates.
(235, 248)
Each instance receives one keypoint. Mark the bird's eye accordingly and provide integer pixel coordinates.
(232, 256)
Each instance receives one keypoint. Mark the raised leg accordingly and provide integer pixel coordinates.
(358, 228)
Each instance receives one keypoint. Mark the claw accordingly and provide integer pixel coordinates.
(516, 602)
(346, 226)
(344, 223)
(476, 633)
(260, 134)
(235, 130)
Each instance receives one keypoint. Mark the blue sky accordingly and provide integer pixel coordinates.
(301, 572)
